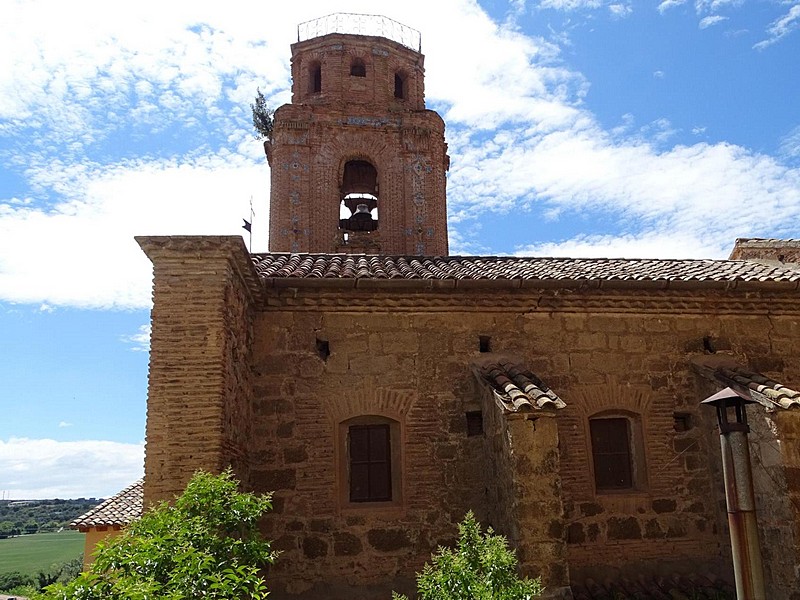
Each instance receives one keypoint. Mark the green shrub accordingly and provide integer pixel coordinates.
(481, 567)
(206, 545)
(9, 581)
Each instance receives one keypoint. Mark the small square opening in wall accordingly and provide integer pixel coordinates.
(474, 423)
(484, 343)
(323, 349)
(682, 421)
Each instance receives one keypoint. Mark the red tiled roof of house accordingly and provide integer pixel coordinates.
(459, 268)
(119, 510)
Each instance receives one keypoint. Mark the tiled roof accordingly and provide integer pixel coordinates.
(118, 510)
(517, 389)
(759, 388)
(359, 266)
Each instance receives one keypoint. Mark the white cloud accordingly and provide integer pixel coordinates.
(140, 340)
(620, 11)
(790, 145)
(781, 27)
(64, 424)
(570, 4)
(82, 252)
(44, 468)
(707, 22)
(645, 245)
(667, 4)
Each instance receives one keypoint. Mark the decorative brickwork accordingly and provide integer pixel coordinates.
(357, 118)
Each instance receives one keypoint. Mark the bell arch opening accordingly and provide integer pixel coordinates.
(358, 208)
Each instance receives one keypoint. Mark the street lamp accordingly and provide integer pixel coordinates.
(733, 430)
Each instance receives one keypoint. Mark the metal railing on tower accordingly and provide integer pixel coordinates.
(357, 24)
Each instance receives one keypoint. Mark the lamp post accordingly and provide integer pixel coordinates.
(733, 430)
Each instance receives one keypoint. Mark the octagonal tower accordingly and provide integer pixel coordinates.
(358, 163)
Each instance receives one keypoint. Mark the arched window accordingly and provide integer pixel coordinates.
(369, 461)
(399, 86)
(315, 78)
(359, 197)
(358, 68)
(617, 452)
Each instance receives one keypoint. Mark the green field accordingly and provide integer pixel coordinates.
(32, 553)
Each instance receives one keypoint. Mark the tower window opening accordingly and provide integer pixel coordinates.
(358, 68)
(399, 86)
(358, 210)
(315, 79)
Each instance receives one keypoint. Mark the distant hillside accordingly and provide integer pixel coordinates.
(32, 516)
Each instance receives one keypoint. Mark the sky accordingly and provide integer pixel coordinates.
(592, 128)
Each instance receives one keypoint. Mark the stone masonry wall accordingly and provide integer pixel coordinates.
(407, 356)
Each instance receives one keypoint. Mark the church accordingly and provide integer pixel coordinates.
(381, 388)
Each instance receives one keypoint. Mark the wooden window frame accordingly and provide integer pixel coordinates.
(374, 466)
(633, 450)
(346, 503)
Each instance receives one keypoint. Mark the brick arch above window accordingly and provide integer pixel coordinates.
(380, 402)
(592, 400)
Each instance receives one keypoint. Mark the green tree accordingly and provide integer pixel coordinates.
(205, 545)
(481, 567)
(6, 529)
(262, 116)
(31, 527)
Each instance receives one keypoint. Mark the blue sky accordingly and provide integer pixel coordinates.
(576, 127)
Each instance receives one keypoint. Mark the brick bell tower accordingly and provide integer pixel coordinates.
(358, 163)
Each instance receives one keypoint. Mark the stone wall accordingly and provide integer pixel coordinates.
(264, 379)
(408, 356)
(768, 251)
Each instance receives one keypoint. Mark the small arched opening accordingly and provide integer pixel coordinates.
(358, 209)
(400, 86)
(315, 78)
(358, 68)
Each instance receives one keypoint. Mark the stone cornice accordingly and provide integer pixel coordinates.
(186, 248)
(482, 298)
(501, 285)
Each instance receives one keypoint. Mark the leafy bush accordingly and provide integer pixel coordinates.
(481, 567)
(206, 545)
(9, 581)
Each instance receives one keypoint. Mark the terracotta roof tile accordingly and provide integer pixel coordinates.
(119, 510)
(517, 389)
(760, 388)
(349, 266)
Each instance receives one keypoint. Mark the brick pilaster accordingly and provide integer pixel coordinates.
(199, 389)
